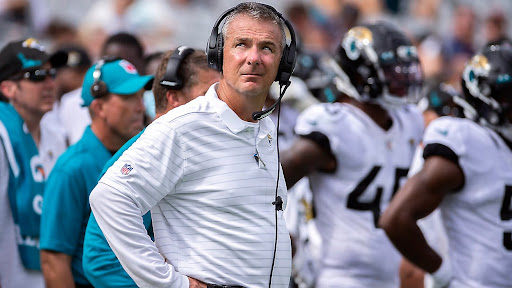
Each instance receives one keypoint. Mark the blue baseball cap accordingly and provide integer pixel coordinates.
(120, 77)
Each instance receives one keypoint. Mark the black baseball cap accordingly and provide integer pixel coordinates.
(77, 56)
(28, 54)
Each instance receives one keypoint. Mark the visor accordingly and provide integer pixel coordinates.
(401, 76)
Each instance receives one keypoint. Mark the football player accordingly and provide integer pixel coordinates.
(356, 153)
(467, 175)
(439, 100)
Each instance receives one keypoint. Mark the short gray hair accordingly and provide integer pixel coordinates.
(256, 11)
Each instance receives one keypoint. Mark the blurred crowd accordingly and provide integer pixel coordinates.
(446, 32)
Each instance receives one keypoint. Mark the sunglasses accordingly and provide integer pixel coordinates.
(38, 75)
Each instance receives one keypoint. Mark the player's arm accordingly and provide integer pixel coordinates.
(420, 195)
(308, 153)
(410, 275)
(56, 268)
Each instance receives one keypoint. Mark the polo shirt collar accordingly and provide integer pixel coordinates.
(90, 139)
(231, 120)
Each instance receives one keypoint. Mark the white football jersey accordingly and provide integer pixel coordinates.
(372, 164)
(478, 217)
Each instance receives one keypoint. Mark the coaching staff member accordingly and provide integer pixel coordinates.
(208, 171)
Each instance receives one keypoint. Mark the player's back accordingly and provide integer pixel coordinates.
(478, 216)
(372, 162)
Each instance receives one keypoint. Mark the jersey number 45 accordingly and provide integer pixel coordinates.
(506, 214)
(374, 205)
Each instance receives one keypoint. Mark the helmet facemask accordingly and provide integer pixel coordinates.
(402, 80)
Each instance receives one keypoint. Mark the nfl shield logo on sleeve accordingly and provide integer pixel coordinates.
(125, 170)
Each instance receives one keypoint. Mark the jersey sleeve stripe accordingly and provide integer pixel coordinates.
(436, 149)
(9, 151)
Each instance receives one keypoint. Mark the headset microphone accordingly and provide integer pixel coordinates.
(256, 116)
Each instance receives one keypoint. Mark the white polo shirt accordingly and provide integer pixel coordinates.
(74, 117)
(210, 199)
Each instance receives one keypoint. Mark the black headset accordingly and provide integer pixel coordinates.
(214, 55)
(215, 47)
(171, 78)
(99, 88)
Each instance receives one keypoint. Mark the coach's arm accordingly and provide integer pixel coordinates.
(120, 220)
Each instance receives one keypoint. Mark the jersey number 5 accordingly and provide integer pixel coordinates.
(506, 214)
(374, 205)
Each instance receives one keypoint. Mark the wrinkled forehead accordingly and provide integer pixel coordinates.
(267, 18)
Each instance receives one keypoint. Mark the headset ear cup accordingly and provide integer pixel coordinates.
(282, 66)
(98, 89)
(286, 65)
(220, 51)
(211, 51)
(172, 79)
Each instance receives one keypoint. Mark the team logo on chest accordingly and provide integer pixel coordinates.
(37, 204)
(38, 173)
(126, 169)
(389, 145)
(269, 140)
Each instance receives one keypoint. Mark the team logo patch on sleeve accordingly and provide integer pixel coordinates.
(443, 132)
(126, 169)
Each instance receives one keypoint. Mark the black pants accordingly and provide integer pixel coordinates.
(223, 286)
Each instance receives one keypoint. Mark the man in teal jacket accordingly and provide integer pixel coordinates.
(27, 92)
(112, 90)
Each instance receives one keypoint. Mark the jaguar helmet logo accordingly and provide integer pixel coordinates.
(355, 39)
(477, 66)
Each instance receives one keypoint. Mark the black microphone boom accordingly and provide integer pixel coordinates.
(256, 116)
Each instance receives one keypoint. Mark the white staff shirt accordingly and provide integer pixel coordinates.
(210, 199)
(73, 116)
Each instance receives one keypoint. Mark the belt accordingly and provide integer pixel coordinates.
(223, 286)
(83, 285)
